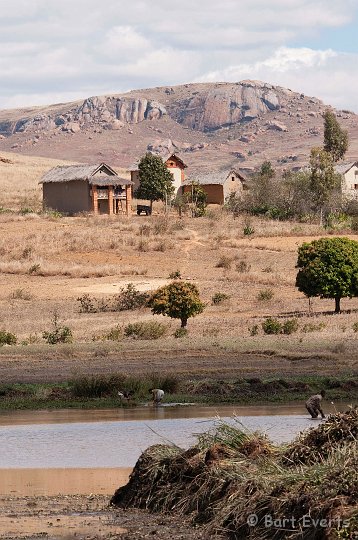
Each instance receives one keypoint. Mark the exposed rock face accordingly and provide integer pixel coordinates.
(126, 110)
(228, 105)
(278, 126)
(107, 112)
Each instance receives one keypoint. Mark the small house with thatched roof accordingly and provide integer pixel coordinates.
(86, 188)
(175, 165)
(218, 186)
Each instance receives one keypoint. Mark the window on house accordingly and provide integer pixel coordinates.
(233, 178)
(355, 186)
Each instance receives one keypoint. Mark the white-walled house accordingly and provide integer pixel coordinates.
(218, 186)
(349, 173)
(175, 165)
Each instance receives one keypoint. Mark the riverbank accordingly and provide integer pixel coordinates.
(72, 517)
(101, 391)
(241, 485)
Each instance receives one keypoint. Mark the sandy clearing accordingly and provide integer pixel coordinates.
(115, 288)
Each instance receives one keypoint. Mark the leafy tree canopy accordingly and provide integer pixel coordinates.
(328, 268)
(196, 199)
(178, 300)
(335, 138)
(323, 178)
(266, 170)
(156, 181)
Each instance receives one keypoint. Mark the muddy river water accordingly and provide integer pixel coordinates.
(81, 451)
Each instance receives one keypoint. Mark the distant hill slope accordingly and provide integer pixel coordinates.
(213, 125)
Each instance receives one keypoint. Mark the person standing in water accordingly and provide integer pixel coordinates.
(157, 395)
(313, 405)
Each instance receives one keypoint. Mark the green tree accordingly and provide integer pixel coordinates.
(196, 199)
(328, 268)
(323, 178)
(178, 300)
(155, 180)
(266, 170)
(262, 195)
(335, 138)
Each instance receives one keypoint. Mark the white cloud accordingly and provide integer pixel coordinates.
(283, 60)
(82, 47)
(326, 74)
(122, 40)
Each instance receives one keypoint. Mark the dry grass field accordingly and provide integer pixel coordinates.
(47, 262)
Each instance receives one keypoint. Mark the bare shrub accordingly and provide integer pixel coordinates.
(160, 225)
(224, 262)
(242, 266)
(265, 295)
(145, 330)
(21, 294)
(143, 245)
(218, 298)
(130, 298)
(145, 230)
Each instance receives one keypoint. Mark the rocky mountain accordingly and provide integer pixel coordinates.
(216, 125)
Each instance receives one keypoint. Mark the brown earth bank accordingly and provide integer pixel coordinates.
(61, 365)
(83, 517)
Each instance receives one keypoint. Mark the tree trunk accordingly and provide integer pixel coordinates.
(338, 304)
(184, 323)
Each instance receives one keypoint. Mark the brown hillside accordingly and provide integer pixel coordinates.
(214, 125)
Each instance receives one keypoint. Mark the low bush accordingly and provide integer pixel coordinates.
(290, 326)
(248, 230)
(224, 262)
(271, 326)
(61, 334)
(7, 338)
(254, 330)
(145, 330)
(114, 334)
(175, 275)
(355, 327)
(87, 304)
(21, 294)
(312, 327)
(161, 224)
(180, 332)
(265, 295)
(130, 298)
(34, 269)
(218, 298)
(145, 230)
(243, 266)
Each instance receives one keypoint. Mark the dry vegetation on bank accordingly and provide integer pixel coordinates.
(48, 261)
(240, 485)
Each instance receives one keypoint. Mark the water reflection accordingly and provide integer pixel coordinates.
(148, 412)
(103, 442)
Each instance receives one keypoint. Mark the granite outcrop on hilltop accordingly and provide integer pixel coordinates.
(227, 105)
(204, 108)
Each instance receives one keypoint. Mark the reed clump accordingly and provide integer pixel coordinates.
(231, 475)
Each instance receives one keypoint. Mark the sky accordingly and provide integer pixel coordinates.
(54, 51)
